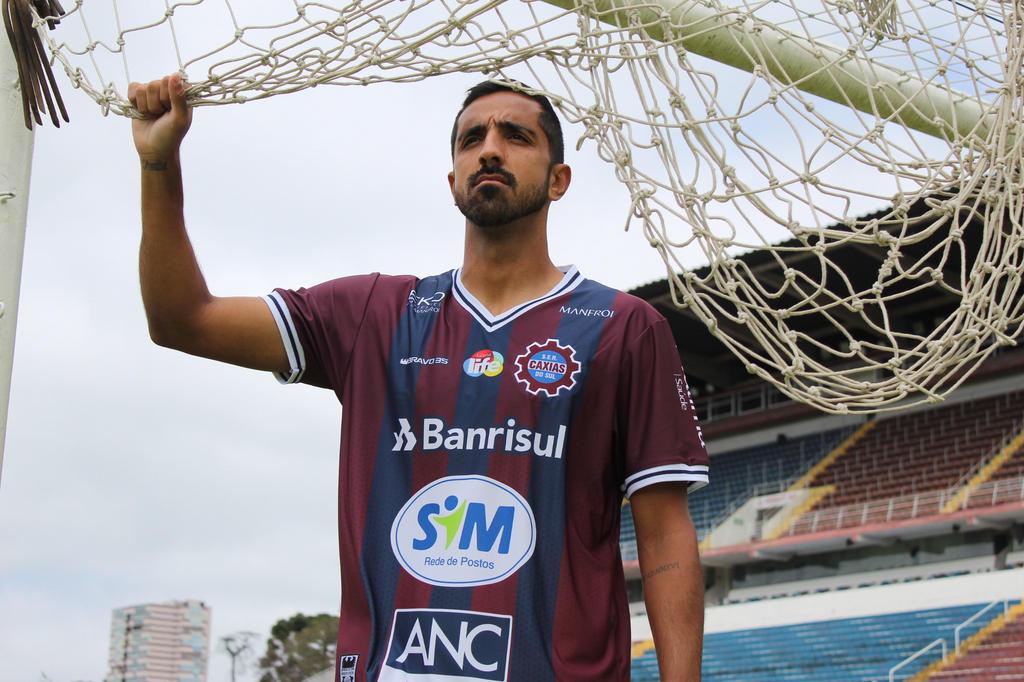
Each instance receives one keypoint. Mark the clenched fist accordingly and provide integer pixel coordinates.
(167, 117)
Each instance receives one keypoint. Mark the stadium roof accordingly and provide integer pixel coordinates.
(711, 367)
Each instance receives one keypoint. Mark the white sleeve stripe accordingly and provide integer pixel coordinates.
(697, 482)
(289, 338)
(682, 468)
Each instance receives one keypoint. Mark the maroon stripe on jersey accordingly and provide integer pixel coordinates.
(540, 325)
(437, 393)
(591, 575)
(368, 380)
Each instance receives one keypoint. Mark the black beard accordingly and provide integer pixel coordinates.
(490, 207)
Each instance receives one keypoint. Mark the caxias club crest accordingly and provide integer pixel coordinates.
(547, 368)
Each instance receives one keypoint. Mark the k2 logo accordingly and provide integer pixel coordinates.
(426, 304)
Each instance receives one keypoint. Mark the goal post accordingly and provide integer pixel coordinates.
(845, 77)
(15, 165)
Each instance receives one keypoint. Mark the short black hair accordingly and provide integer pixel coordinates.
(548, 119)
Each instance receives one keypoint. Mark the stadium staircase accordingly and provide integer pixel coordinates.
(1003, 481)
(993, 653)
(933, 450)
(998, 655)
(846, 650)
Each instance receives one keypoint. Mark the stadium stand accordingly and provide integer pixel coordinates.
(627, 534)
(838, 562)
(864, 648)
(996, 654)
(740, 475)
(843, 650)
(762, 469)
(934, 450)
(1005, 482)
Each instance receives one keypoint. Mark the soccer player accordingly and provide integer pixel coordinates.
(495, 416)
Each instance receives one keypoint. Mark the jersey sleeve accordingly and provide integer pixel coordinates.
(319, 327)
(659, 438)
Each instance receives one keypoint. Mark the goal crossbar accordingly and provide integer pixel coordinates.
(815, 67)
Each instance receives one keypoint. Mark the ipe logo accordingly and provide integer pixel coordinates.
(462, 531)
(484, 363)
(448, 645)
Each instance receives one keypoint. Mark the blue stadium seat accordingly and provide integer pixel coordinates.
(737, 476)
(846, 650)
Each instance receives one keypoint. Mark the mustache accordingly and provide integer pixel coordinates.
(509, 179)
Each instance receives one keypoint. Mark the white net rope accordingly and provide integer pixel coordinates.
(847, 172)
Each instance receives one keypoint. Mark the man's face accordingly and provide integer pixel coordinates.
(502, 161)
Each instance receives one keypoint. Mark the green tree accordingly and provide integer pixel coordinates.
(298, 647)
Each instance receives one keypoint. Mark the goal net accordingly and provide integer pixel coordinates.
(807, 170)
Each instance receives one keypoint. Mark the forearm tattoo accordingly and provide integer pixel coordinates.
(154, 165)
(660, 569)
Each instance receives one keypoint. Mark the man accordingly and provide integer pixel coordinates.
(494, 417)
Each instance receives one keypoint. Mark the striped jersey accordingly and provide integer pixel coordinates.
(484, 459)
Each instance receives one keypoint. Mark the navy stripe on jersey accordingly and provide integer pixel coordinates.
(392, 485)
(477, 406)
(696, 474)
(290, 338)
(569, 281)
(537, 590)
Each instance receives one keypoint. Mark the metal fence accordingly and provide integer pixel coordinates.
(988, 494)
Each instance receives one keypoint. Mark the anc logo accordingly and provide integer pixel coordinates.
(484, 362)
(447, 644)
(461, 531)
(547, 368)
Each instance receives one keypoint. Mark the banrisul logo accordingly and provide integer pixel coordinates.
(446, 644)
(484, 363)
(510, 438)
(462, 531)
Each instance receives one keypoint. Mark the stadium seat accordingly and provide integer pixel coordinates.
(847, 650)
(930, 451)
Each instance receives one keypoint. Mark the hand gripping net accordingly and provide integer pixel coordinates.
(833, 166)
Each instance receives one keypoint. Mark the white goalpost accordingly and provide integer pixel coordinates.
(764, 140)
(15, 167)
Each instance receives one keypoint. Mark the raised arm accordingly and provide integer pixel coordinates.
(181, 312)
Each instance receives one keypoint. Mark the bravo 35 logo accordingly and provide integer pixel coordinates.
(547, 368)
(443, 644)
(463, 531)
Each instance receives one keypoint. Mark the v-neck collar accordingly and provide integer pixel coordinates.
(570, 280)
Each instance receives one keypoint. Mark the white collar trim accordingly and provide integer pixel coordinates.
(570, 280)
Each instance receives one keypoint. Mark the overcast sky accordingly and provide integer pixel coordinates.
(135, 474)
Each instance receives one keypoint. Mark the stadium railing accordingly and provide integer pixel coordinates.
(958, 632)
